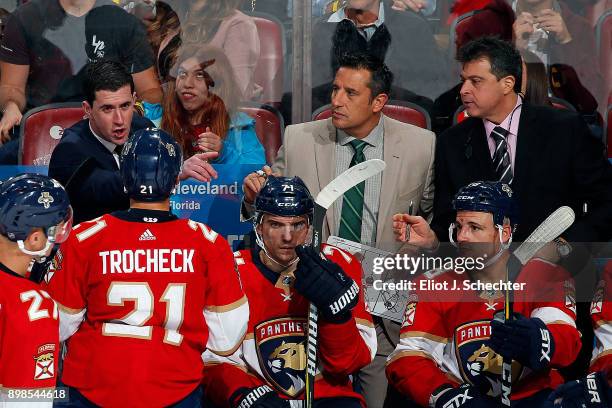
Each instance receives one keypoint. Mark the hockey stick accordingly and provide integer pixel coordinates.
(553, 226)
(326, 197)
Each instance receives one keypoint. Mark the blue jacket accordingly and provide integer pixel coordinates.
(241, 145)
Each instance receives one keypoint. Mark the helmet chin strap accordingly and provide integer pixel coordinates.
(39, 256)
(502, 247)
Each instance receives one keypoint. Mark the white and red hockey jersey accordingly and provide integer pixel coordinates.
(601, 316)
(273, 351)
(29, 335)
(157, 292)
(443, 339)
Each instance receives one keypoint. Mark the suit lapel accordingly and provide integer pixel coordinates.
(100, 152)
(325, 160)
(392, 155)
(525, 147)
(480, 160)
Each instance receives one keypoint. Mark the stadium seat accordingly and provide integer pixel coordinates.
(603, 39)
(594, 10)
(270, 68)
(455, 25)
(269, 126)
(42, 128)
(459, 115)
(406, 112)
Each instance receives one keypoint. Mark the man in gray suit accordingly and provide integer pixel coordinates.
(358, 130)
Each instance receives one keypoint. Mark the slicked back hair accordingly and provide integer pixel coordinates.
(382, 77)
(505, 60)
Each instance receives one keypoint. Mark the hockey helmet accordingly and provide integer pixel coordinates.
(150, 163)
(30, 201)
(488, 196)
(285, 197)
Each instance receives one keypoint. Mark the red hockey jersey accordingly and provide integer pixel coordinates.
(273, 351)
(601, 316)
(157, 293)
(29, 334)
(443, 339)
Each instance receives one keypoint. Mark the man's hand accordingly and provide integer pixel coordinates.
(11, 118)
(414, 5)
(253, 182)
(465, 396)
(526, 340)
(421, 235)
(592, 391)
(198, 167)
(523, 27)
(551, 21)
(209, 142)
(326, 285)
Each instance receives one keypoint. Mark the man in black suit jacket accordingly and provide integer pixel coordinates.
(86, 160)
(554, 159)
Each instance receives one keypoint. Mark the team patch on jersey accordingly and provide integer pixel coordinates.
(282, 356)
(598, 297)
(410, 312)
(479, 364)
(570, 295)
(55, 264)
(44, 362)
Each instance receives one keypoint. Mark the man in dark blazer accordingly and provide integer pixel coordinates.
(86, 161)
(554, 159)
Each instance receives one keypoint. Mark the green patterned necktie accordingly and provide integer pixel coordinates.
(352, 202)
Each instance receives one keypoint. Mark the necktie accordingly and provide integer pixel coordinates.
(117, 154)
(352, 202)
(501, 157)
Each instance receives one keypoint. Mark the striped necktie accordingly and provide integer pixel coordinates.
(352, 202)
(501, 157)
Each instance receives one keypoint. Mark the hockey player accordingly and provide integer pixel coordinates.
(142, 294)
(34, 216)
(280, 277)
(451, 350)
(594, 390)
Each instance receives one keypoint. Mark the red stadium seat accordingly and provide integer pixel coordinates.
(269, 126)
(595, 10)
(608, 131)
(603, 39)
(42, 128)
(406, 112)
(457, 24)
(459, 115)
(269, 69)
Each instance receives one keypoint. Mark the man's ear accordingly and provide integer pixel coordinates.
(506, 232)
(36, 240)
(379, 101)
(508, 84)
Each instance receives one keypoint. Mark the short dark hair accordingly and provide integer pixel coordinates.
(105, 75)
(505, 60)
(382, 77)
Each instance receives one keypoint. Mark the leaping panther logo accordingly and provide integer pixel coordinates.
(289, 357)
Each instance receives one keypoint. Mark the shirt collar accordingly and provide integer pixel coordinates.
(511, 121)
(374, 139)
(110, 146)
(340, 15)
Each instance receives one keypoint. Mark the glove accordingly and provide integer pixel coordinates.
(260, 397)
(527, 341)
(591, 391)
(465, 396)
(326, 285)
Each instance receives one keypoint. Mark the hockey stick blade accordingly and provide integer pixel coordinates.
(553, 226)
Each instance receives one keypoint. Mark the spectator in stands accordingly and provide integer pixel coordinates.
(534, 85)
(46, 46)
(86, 161)
(217, 23)
(549, 29)
(425, 7)
(201, 109)
(495, 19)
(403, 40)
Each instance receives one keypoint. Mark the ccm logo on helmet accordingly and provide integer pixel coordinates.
(287, 204)
(465, 197)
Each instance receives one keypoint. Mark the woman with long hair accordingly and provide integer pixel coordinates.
(213, 22)
(200, 108)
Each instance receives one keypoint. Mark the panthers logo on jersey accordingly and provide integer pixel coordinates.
(282, 356)
(480, 365)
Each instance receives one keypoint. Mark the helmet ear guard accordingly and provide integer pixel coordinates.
(151, 162)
